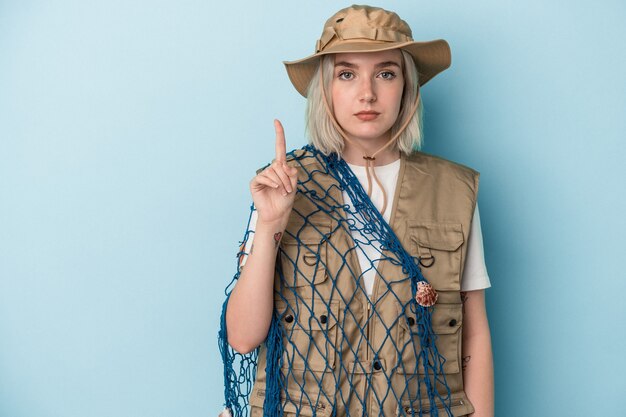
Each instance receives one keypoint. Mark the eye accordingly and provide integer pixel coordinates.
(387, 75)
(345, 75)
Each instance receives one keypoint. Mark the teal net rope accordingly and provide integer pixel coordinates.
(298, 373)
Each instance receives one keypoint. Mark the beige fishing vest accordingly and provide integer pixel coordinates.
(431, 214)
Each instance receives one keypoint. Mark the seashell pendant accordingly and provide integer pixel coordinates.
(426, 295)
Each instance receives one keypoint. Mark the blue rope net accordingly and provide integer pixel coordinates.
(302, 361)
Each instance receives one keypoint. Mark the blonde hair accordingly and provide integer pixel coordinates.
(325, 137)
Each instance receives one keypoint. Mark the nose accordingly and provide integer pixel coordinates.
(367, 93)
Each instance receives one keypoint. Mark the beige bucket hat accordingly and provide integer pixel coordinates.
(369, 29)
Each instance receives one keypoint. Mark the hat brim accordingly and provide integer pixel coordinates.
(431, 58)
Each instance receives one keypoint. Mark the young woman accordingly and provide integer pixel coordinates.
(361, 282)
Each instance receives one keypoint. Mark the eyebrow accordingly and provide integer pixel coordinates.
(379, 65)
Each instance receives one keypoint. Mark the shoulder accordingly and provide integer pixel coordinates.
(423, 160)
(442, 168)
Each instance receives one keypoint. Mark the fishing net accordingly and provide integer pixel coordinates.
(320, 357)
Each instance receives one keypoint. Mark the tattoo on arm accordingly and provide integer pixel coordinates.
(277, 237)
(465, 361)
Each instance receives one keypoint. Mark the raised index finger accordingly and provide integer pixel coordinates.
(281, 147)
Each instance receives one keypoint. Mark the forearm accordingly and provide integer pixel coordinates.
(249, 310)
(478, 374)
(477, 356)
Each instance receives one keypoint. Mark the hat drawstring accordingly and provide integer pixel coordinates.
(369, 159)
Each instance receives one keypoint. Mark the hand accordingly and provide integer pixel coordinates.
(273, 189)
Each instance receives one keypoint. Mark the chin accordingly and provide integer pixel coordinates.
(367, 132)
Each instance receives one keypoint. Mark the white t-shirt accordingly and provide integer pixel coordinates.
(475, 273)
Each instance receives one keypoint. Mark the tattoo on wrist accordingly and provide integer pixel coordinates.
(464, 297)
(277, 237)
(465, 361)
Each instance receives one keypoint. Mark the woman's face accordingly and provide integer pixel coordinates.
(366, 93)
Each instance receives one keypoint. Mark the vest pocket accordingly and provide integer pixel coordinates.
(310, 334)
(438, 247)
(446, 323)
(303, 256)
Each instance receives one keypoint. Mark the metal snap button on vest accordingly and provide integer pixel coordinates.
(411, 321)
(452, 323)
(289, 318)
(323, 318)
(377, 366)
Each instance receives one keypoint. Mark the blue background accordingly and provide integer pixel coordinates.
(129, 131)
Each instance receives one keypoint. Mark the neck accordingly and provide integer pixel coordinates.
(354, 155)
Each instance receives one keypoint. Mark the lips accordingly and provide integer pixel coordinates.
(367, 115)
